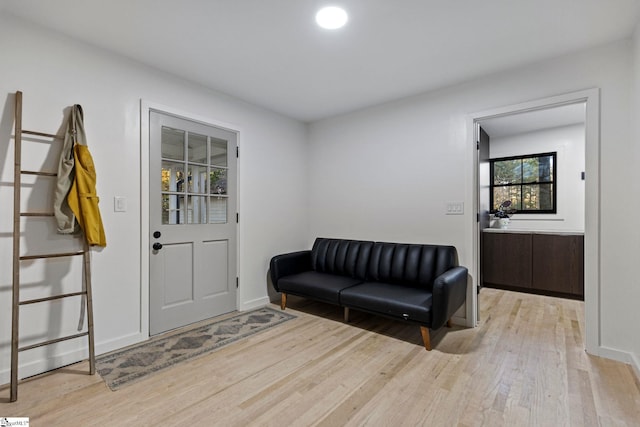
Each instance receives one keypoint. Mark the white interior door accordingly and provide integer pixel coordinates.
(192, 219)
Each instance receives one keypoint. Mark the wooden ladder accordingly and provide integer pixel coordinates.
(85, 293)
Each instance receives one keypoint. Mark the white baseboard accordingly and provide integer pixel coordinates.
(614, 354)
(43, 365)
(55, 361)
(459, 321)
(253, 304)
(621, 356)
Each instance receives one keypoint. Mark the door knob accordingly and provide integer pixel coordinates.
(157, 246)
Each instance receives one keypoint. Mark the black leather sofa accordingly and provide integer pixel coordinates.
(422, 284)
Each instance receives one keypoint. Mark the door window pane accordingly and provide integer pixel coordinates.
(172, 176)
(218, 152)
(197, 210)
(217, 210)
(194, 165)
(172, 209)
(218, 181)
(197, 148)
(197, 179)
(172, 143)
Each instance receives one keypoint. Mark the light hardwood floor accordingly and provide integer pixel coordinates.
(523, 366)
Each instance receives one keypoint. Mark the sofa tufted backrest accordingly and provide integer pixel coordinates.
(344, 257)
(410, 264)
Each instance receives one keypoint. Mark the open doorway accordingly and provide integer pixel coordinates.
(533, 162)
(514, 129)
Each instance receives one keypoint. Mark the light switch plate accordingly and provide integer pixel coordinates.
(119, 204)
(454, 208)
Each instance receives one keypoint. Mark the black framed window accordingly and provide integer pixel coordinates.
(528, 181)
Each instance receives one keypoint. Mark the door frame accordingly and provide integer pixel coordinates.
(591, 98)
(145, 141)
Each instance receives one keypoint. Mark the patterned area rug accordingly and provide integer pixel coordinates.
(122, 367)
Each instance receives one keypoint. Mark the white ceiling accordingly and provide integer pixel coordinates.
(531, 121)
(271, 53)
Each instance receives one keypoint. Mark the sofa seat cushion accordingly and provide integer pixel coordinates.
(322, 286)
(401, 302)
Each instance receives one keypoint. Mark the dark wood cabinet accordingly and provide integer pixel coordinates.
(559, 262)
(507, 259)
(545, 263)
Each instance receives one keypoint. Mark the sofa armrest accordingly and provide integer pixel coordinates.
(449, 293)
(288, 264)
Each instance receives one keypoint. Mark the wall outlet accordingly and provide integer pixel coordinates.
(454, 208)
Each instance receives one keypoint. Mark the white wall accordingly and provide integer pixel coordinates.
(55, 72)
(385, 173)
(569, 144)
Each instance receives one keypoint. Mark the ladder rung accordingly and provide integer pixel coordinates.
(39, 173)
(48, 135)
(51, 255)
(42, 344)
(51, 298)
(37, 214)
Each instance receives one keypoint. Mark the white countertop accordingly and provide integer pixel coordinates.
(517, 231)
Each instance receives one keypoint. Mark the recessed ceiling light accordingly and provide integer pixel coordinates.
(331, 17)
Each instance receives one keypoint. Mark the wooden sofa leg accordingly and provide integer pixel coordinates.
(283, 301)
(346, 315)
(449, 323)
(425, 337)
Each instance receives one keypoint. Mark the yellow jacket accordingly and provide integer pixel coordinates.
(83, 199)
